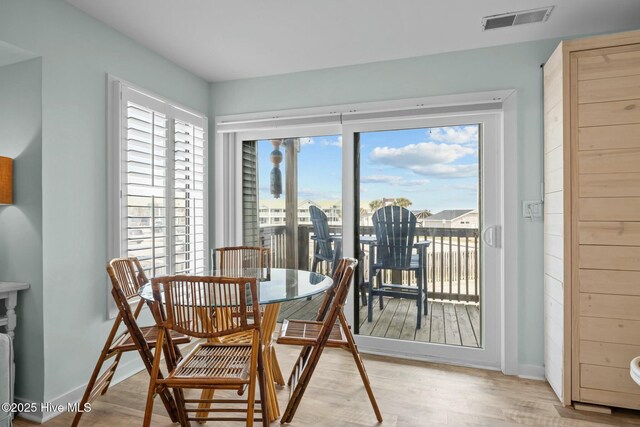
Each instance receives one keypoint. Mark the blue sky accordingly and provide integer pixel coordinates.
(435, 168)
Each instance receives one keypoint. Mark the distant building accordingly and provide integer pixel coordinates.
(273, 212)
(453, 218)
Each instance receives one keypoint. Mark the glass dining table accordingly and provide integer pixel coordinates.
(275, 286)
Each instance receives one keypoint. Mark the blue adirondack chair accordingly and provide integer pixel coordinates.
(395, 249)
(323, 249)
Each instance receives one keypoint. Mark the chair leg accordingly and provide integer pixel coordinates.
(183, 418)
(96, 371)
(251, 395)
(363, 293)
(314, 264)
(264, 406)
(148, 409)
(370, 303)
(362, 284)
(419, 300)
(379, 280)
(301, 386)
(426, 295)
(148, 412)
(92, 382)
(353, 348)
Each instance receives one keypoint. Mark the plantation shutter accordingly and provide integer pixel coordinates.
(189, 209)
(251, 226)
(162, 176)
(144, 183)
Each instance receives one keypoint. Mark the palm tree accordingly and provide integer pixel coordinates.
(375, 204)
(403, 202)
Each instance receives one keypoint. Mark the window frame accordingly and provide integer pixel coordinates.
(116, 122)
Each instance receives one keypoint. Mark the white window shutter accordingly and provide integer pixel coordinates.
(189, 198)
(162, 179)
(145, 195)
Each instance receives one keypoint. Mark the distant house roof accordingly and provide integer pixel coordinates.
(449, 214)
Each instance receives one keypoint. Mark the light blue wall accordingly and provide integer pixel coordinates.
(506, 67)
(77, 53)
(21, 223)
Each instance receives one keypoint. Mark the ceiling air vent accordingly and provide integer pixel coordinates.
(516, 18)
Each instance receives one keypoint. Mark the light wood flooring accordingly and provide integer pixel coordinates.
(409, 393)
(445, 322)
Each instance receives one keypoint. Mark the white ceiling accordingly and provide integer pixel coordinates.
(232, 39)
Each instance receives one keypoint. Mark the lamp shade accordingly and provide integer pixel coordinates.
(6, 181)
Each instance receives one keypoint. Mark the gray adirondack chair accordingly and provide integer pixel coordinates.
(323, 246)
(395, 249)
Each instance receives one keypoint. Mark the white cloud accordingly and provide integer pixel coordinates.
(306, 141)
(454, 134)
(426, 158)
(393, 180)
(330, 142)
(447, 171)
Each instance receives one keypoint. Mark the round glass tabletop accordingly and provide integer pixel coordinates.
(279, 285)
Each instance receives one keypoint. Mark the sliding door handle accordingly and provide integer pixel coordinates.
(492, 236)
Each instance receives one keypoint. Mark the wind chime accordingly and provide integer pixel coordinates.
(276, 175)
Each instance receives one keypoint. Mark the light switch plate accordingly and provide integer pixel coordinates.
(532, 209)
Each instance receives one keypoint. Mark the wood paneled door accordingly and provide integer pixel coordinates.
(605, 148)
(592, 233)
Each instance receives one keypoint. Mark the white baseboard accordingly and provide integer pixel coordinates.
(47, 410)
(531, 372)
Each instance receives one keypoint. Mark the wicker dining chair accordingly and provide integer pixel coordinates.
(314, 336)
(126, 276)
(235, 261)
(246, 261)
(210, 308)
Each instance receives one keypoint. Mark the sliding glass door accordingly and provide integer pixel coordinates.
(286, 183)
(427, 189)
(436, 176)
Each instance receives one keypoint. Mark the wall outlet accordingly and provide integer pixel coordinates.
(532, 209)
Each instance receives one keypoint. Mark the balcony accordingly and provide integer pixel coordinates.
(453, 287)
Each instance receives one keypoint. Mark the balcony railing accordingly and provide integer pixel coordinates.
(453, 258)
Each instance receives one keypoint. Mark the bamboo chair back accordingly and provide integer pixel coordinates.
(331, 292)
(236, 261)
(343, 276)
(126, 276)
(395, 230)
(208, 307)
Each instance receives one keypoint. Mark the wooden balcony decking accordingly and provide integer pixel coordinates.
(446, 322)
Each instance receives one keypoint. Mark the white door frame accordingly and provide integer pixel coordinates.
(267, 125)
(488, 355)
